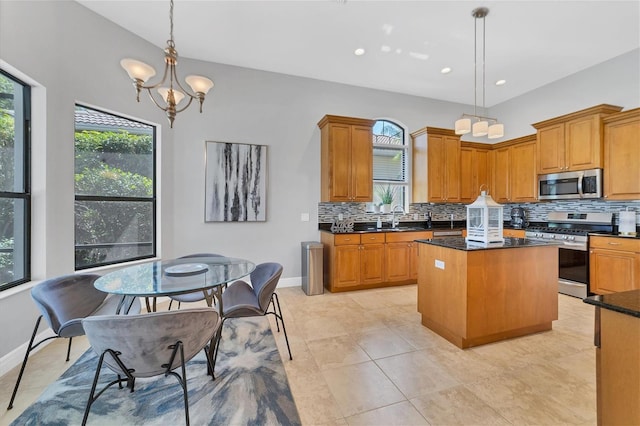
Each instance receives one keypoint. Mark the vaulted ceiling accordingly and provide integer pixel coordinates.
(407, 43)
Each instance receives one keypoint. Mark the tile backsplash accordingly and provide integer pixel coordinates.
(536, 212)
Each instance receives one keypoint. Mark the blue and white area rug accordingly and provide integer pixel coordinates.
(250, 388)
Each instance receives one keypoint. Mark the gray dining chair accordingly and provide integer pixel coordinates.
(195, 296)
(63, 302)
(149, 345)
(242, 299)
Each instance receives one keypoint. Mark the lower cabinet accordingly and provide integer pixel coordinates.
(369, 260)
(614, 264)
(402, 256)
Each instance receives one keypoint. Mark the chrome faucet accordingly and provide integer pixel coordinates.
(394, 220)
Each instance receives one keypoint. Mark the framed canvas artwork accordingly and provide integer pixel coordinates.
(235, 182)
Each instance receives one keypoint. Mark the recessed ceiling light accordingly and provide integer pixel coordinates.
(445, 70)
(359, 51)
(386, 49)
(500, 82)
(398, 51)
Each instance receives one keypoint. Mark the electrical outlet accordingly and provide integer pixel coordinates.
(304, 217)
(340, 216)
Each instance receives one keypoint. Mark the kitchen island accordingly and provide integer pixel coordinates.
(617, 341)
(472, 294)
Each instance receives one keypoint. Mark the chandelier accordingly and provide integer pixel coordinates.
(173, 92)
(482, 126)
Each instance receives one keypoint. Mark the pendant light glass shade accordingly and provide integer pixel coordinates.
(496, 131)
(463, 126)
(480, 128)
(199, 84)
(137, 70)
(177, 95)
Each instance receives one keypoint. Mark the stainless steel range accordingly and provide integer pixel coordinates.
(571, 231)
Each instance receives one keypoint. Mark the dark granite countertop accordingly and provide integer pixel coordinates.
(415, 226)
(625, 302)
(633, 237)
(459, 243)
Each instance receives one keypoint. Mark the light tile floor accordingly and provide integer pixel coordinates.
(363, 358)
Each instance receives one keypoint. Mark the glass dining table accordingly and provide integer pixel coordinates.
(173, 277)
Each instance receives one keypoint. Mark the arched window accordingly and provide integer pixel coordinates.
(390, 159)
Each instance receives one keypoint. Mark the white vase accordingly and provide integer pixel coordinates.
(385, 208)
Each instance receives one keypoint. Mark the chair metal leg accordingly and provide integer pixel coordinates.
(279, 316)
(69, 348)
(216, 346)
(24, 362)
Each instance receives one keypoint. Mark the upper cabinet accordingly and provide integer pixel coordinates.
(474, 170)
(622, 156)
(573, 141)
(514, 170)
(436, 166)
(346, 159)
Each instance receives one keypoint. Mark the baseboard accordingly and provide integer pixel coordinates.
(290, 282)
(15, 357)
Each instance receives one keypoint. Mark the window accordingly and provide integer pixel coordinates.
(390, 157)
(15, 199)
(115, 191)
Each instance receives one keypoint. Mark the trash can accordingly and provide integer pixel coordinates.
(312, 278)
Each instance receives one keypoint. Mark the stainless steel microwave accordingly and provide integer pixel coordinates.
(570, 185)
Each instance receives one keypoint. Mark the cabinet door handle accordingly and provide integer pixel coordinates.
(613, 244)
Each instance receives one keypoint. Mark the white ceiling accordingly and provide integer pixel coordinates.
(528, 43)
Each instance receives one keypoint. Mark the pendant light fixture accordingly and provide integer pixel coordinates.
(479, 125)
(173, 92)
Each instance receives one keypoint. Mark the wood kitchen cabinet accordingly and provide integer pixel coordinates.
(474, 171)
(573, 141)
(371, 259)
(514, 171)
(621, 173)
(614, 264)
(514, 233)
(346, 159)
(401, 254)
(353, 260)
(436, 166)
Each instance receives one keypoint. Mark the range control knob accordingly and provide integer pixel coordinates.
(572, 238)
(564, 237)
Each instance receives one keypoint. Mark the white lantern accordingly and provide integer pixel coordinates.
(484, 220)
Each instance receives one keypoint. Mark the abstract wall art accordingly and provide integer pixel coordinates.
(235, 182)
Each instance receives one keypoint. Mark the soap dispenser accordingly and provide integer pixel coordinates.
(379, 223)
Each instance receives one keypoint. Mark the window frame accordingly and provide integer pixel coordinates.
(153, 200)
(25, 194)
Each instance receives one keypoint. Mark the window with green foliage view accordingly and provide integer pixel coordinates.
(15, 199)
(115, 194)
(390, 151)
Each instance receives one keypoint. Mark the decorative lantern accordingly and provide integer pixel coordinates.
(484, 220)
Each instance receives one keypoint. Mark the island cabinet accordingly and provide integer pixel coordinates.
(472, 295)
(614, 264)
(474, 171)
(573, 141)
(346, 159)
(617, 341)
(621, 173)
(514, 171)
(401, 254)
(436, 166)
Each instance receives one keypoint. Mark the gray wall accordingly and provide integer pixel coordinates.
(74, 56)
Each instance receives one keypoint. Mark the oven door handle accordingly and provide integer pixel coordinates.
(578, 246)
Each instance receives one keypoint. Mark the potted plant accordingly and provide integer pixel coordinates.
(386, 194)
